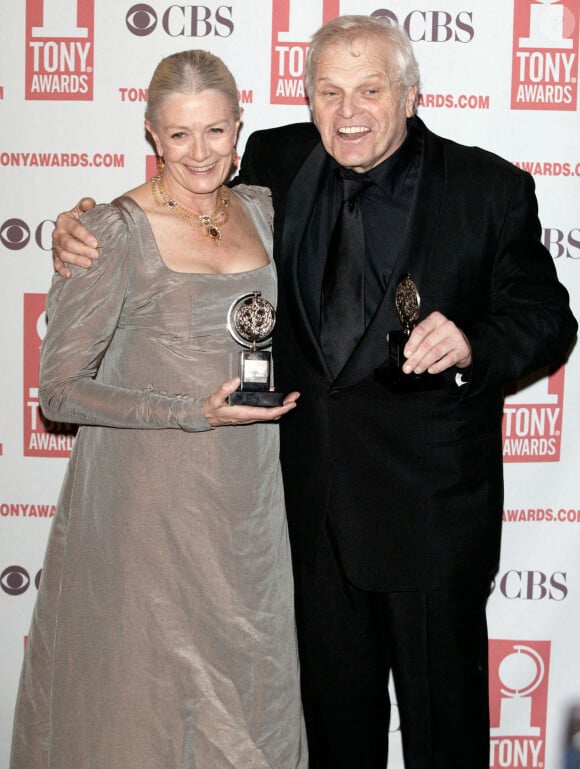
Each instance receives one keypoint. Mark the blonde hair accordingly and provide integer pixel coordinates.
(347, 29)
(190, 72)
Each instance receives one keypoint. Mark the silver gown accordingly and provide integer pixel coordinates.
(163, 635)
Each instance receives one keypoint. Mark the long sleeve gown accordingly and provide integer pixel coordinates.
(163, 634)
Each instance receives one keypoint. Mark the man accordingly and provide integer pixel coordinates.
(394, 496)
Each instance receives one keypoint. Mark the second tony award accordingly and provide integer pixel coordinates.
(408, 304)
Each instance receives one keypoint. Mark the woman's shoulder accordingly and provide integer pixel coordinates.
(114, 222)
(260, 195)
(257, 199)
(106, 215)
(115, 225)
(253, 195)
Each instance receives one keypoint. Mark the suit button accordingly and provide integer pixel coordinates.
(335, 394)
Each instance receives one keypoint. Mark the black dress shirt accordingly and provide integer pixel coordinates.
(385, 206)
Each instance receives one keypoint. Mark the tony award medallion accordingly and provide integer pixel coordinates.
(408, 305)
(251, 321)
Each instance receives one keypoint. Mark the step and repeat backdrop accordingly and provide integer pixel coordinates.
(501, 74)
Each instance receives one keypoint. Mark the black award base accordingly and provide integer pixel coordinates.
(391, 374)
(265, 398)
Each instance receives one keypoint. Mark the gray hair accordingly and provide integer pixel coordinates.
(190, 72)
(347, 29)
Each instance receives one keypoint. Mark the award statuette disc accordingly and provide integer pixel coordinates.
(251, 321)
(408, 304)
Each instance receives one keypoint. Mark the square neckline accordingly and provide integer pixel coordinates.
(133, 203)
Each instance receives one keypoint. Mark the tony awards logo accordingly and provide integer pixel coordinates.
(251, 321)
(520, 674)
(545, 55)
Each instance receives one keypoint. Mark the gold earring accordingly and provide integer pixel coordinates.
(160, 164)
(235, 158)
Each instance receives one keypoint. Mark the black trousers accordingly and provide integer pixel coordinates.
(435, 644)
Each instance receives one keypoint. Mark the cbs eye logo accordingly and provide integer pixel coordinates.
(14, 234)
(15, 580)
(141, 20)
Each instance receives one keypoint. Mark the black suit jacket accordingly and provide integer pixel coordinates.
(412, 482)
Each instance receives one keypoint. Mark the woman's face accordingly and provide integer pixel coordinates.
(195, 134)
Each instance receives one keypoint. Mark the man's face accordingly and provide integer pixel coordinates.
(357, 104)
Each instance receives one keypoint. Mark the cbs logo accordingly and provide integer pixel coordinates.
(15, 580)
(181, 20)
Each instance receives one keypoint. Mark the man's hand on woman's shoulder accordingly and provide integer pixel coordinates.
(71, 242)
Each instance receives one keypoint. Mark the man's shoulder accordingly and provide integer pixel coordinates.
(473, 173)
(293, 132)
(273, 156)
(472, 158)
(284, 144)
(481, 157)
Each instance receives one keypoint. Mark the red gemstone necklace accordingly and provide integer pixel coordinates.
(210, 222)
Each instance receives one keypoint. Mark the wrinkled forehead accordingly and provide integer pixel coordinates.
(364, 50)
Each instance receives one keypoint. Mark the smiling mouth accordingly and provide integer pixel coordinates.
(353, 131)
(202, 169)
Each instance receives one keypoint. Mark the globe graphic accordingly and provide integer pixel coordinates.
(521, 672)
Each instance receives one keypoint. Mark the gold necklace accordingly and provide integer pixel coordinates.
(212, 222)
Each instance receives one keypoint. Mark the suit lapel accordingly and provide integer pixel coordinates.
(299, 204)
(414, 259)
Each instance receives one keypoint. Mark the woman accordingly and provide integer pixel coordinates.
(163, 634)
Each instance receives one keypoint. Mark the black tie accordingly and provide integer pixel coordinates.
(342, 312)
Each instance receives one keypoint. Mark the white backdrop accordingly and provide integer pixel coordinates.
(502, 74)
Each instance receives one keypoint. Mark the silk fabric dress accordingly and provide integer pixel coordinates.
(163, 635)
